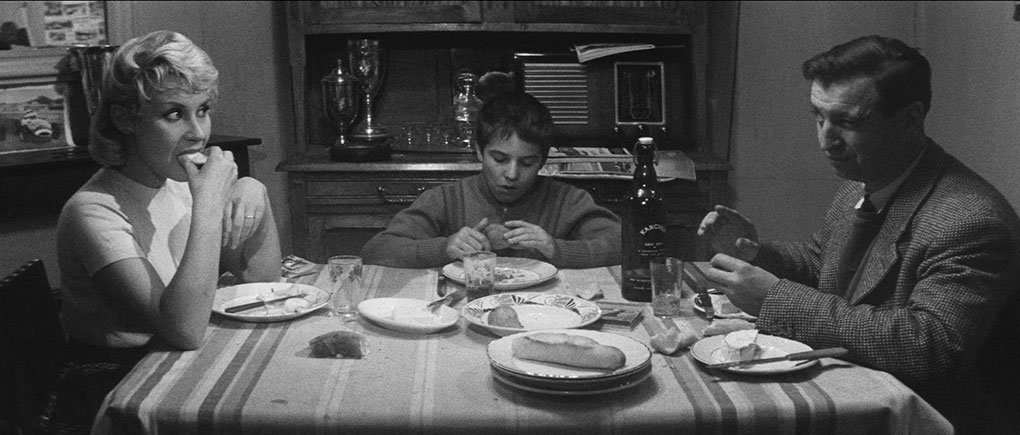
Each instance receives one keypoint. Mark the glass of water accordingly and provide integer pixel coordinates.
(347, 289)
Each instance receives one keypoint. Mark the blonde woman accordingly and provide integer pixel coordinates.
(143, 242)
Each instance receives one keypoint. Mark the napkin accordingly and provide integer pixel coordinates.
(294, 266)
(669, 336)
(725, 326)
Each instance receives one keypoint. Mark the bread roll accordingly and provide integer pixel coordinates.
(339, 344)
(197, 158)
(741, 346)
(496, 235)
(566, 349)
(505, 316)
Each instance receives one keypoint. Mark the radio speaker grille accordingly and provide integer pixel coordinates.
(562, 87)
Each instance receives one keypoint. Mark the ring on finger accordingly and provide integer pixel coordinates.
(249, 217)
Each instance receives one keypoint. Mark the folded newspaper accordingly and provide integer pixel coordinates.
(595, 51)
(613, 163)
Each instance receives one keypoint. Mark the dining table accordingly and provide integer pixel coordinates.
(261, 378)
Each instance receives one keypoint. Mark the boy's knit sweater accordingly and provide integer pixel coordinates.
(585, 234)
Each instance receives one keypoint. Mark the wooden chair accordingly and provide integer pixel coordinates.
(31, 346)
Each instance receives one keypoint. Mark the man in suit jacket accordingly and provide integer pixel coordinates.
(942, 257)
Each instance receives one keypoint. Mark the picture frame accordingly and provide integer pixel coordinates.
(639, 93)
(34, 72)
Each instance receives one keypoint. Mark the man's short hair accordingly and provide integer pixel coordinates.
(901, 73)
(515, 112)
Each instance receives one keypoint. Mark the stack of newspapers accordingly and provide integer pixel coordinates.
(612, 163)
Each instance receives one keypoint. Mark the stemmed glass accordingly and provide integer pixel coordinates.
(367, 65)
(341, 101)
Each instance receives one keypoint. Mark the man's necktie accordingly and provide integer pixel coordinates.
(867, 221)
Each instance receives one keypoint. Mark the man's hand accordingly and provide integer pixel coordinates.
(744, 284)
(730, 233)
(467, 240)
(528, 235)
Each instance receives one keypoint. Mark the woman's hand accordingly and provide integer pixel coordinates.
(528, 235)
(211, 185)
(243, 212)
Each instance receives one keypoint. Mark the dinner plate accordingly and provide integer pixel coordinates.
(562, 389)
(235, 295)
(710, 351)
(407, 315)
(535, 311)
(501, 357)
(512, 273)
(723, 308)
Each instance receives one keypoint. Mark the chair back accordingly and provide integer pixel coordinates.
(31, 344)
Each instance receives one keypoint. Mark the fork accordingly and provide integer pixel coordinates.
(450, 298)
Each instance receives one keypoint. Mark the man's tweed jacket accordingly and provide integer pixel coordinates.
(943, 263)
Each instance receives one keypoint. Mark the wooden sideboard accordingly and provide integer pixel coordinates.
(38, 183)
(336, 207)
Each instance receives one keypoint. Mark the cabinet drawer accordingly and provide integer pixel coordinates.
(377, 189)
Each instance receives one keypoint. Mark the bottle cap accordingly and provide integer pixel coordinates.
(645, 140)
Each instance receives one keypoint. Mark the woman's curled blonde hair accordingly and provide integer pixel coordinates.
(142, 68)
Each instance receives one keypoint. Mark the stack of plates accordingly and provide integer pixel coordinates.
(550, 378)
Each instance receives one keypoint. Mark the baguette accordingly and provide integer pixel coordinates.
(566, 349)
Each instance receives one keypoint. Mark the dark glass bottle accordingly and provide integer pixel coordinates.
(644, 225)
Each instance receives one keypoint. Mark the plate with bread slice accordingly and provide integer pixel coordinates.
(749, 344)
(569, 361)
(512, 273)
(268, 301)
(509, 313)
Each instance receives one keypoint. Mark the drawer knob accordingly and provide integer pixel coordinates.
(384, 195)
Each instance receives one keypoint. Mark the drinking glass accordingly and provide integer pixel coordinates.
(479, 274)
(666, 292)
(346, 280)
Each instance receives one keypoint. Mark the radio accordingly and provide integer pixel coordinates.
(611, 101)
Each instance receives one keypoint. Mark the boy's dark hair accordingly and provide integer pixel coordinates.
(515, 112)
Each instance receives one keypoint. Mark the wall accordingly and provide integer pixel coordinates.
(247, 44)
(974, 49)
(780, 179)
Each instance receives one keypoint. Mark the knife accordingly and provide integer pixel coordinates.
(833, 352)
(248, 306)
(699, 283)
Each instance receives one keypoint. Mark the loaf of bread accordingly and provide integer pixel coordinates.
(505, 316)
(570, 350)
